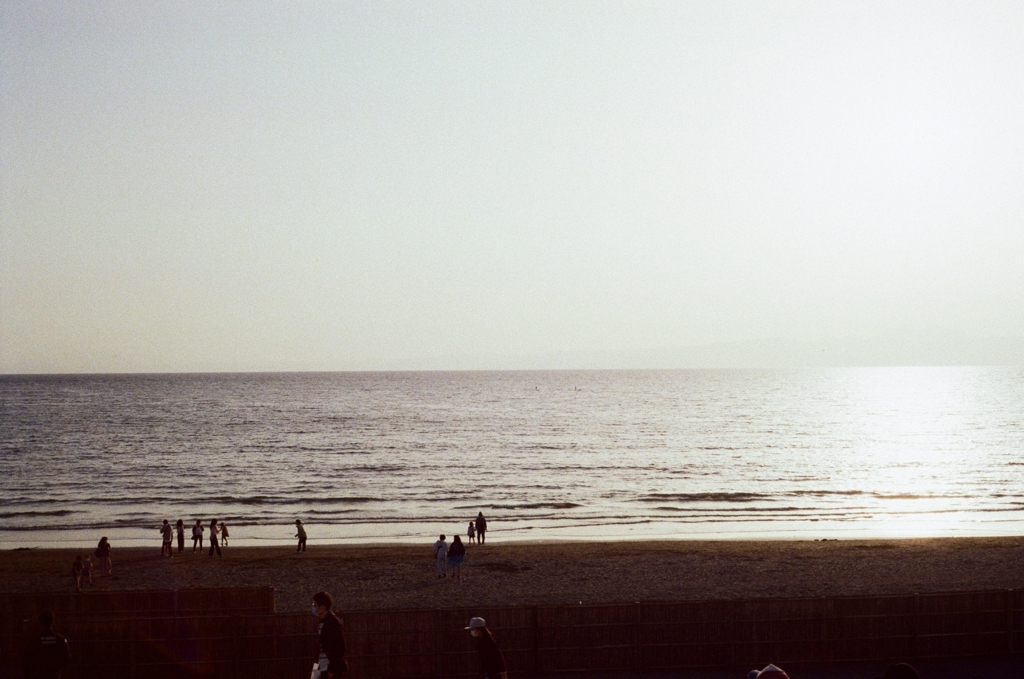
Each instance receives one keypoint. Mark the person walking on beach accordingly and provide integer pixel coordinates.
(103, 554)
(197, 535)
(214, 530)
(481, 527)
(166, 531)
(456, 555)
(223, 534)
(471, 532)
(301, 535)
(492, 663)
(441, 557)
(331, 661)
(180, 529)
(47, 653)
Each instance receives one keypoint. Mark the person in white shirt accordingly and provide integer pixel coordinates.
(441, 556)
(166, 531)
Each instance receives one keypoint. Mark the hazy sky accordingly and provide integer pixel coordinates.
(259, 186)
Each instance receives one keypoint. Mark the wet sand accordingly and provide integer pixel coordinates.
(402, 576)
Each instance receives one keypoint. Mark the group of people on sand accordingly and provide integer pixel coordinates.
(218, 536)
(477, 531)
(448, 559)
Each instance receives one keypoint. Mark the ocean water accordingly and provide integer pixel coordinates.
(366, 457)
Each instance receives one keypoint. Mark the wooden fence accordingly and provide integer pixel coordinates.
(99, 619)
(255, 645)
(627, 638)
(143, 603)
(648, 636)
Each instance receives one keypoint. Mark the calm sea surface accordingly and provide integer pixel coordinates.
(862, 452)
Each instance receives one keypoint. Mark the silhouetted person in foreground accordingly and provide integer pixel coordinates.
(481, 527)
(492, 663)
(46, 654)
(331, 661)
(179, 528)
(769, 672)
(900, 671)
(301, 535)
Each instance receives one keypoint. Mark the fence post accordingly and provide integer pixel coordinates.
(133, 660)
(638, 659)
(734, 627)
(438, 639)
(1009, 621)
(535, 624)
(917, 625)
(824, 629)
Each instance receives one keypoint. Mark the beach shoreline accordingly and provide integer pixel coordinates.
(401, 576)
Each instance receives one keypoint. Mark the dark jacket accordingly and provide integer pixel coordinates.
(491, 661)
(332, 643)
(46, 655)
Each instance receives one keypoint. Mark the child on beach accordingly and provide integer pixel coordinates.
(224, 535)
(471, 532)
(87, 570)
(301, 535)
(441, 557)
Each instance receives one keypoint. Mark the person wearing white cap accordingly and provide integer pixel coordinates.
(769, 672)
(492, 663)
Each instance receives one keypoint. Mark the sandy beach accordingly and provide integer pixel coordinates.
(402, 576)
